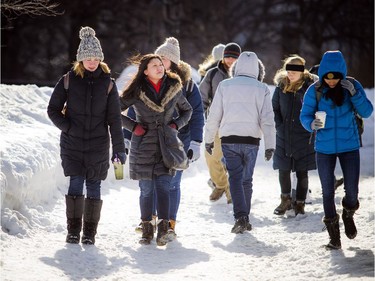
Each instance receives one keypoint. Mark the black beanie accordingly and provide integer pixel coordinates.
(232, 50)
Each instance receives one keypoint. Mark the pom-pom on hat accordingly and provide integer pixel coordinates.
(170, 49)
(232, 50)
(89, 47)
(217, 52)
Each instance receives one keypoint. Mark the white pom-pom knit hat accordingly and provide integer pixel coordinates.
(89, 46)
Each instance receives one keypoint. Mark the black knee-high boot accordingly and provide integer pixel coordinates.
(74, 211)
(91, 219)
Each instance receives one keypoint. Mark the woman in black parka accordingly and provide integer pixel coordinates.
(154, 95)
(294, 152)
(92, 111)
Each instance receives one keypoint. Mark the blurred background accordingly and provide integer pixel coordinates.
(39, 38)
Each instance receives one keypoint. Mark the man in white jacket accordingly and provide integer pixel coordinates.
(242, 113)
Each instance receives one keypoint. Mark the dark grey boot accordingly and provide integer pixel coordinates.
(162, 237)
(333, 229)
(147, 233)
(74, 211)
(347, 218)
(91, 219)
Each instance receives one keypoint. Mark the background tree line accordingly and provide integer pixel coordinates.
(39, 48)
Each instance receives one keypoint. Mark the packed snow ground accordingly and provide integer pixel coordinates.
(33, 222)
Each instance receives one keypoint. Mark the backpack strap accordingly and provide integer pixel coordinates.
(66, 82)
(189, 87)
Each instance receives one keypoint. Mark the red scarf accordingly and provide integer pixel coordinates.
(156, 86)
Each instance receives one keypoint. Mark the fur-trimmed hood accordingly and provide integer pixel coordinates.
(185, 71)
(175, 87)
(281, 77)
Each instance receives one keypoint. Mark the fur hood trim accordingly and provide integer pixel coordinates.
(185, 71)
(174, 89)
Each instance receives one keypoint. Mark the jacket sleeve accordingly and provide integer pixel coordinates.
(204, 89)
(55, 106)
(127, 122)
(185, 111)
(131, 114)
(267, 122)
(196, 122)
(276, 106)
(215, 116)
(360, 101)
(309, 107)
(114, 120)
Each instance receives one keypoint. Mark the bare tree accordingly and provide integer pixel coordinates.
(15, 8)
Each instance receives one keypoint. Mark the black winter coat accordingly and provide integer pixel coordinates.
(90, 112)
(152, 109)
(293, 151)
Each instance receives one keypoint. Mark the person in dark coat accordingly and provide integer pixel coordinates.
(294, 152)
(154, 95)
(92, 111)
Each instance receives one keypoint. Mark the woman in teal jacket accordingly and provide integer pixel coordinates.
(338, 138)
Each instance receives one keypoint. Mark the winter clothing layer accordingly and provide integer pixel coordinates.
(90, 111)
(340, 133)
(89, 47)
(292, 140)
(152, 109)
(242, 105)
(209, 84)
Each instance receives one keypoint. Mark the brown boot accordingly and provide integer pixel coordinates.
(286, 204)
(332, 226)
(171, 230)
(216, 194)
(162, 237)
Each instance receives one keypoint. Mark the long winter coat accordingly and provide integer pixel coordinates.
(340, 133)
(91, 111)
(242, 105)
(293, 151)
(152, 109)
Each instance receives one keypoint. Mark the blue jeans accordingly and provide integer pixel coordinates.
(92, 187)
(350, 166)
(240, 162)
(175, 195)
(159, 187)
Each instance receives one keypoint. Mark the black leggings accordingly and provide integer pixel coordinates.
(302, 183)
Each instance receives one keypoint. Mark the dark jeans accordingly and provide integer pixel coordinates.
(240, 162)
(76, 187)
(159, 185)
(302, 183)
(350, 166)
(175, 195)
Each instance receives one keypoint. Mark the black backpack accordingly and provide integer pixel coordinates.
(358, 118)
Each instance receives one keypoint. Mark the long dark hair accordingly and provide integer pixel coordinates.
(142, 62)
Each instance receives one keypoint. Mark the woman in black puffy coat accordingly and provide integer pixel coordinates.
(294, 152)
(154, 95)
(91, 116)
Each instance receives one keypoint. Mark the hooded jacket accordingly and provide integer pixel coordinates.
(340, 133)
(91, 111)
(242, 106)
(151, 110)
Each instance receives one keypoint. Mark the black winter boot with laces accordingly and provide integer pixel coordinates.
(241, 225)
(147, 233)
(162, 238)
(347, 218)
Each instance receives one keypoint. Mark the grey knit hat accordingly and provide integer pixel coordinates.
(89, 46)
(217, 51)
(170, 49)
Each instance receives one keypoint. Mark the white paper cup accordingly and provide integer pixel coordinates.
(321, 115)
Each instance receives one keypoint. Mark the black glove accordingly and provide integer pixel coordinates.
(121, 156)
(209, 147)
(268, 154)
